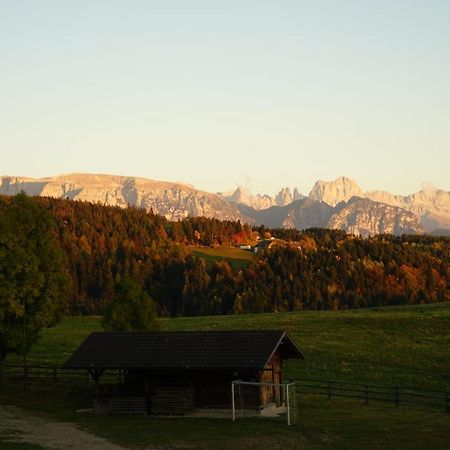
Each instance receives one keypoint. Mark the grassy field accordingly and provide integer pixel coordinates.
(409, 346)
(323, 424)
(237, 257)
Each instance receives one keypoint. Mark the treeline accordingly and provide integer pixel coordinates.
(319, 269)
(345, 272)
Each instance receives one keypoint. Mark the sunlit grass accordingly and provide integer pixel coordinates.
(237, 257)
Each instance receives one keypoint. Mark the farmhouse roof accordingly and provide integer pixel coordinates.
(182, 350)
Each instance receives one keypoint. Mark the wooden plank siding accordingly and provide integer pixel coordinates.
(272, 373)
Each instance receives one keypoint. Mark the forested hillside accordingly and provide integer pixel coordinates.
(318, 269)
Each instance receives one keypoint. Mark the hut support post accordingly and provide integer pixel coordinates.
(96, 374)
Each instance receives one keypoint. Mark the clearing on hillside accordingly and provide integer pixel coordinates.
(237, 257)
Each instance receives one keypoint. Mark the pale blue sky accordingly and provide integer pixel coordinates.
(224, 93)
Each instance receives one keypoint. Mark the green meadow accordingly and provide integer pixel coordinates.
(406, 346)
(237, 257)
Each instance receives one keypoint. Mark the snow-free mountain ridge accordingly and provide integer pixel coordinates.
(338, 204)
(173, 200)
(430, 205)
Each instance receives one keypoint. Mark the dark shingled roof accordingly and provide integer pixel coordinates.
(182, 350)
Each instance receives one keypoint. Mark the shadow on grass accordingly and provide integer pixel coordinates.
(322, 424)
(8, 445)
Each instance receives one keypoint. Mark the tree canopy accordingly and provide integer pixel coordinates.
(132, 309)
(33, 274)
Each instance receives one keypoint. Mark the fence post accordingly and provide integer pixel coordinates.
(366, 392)
(329, 389)
(447, 401)
(288, 406)
(232, 401)
(397, 395)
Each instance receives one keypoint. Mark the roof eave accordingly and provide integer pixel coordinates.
(159, 369)
(291, 342)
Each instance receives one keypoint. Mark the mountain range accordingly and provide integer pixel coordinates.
(340, 204)
(175, 201)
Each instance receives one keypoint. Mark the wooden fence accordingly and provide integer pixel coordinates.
(57, 374)
(374, 392)
(365, 392)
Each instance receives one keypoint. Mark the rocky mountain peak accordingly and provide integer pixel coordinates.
(365, 217)
(333, 192)
(244, 196)
(428, 189)
(240, 195)
(173, 200)
(284, 197)
(296, 195)
(337, 204)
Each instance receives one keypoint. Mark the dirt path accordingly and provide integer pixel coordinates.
(17, 425)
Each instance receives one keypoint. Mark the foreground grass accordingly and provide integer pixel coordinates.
(408, 346)
(7, 445)
(322, 424)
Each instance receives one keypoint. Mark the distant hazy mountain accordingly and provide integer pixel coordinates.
(258, 201)
(336, 204)
(243, 196)
(431, 205)
(172, 200)
(366, 217)
(357, 216)
(301, 214)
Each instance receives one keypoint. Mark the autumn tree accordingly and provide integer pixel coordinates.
(33, 275)
(132, 309)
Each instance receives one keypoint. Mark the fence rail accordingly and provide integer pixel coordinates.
(374, 392)
(366, 392)
(56, 374)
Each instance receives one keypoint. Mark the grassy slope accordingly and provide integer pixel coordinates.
(407, 345)
(237, 257)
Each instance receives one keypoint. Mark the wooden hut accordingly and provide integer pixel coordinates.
(174, 372)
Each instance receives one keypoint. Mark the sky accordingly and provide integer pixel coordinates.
(217, 94)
